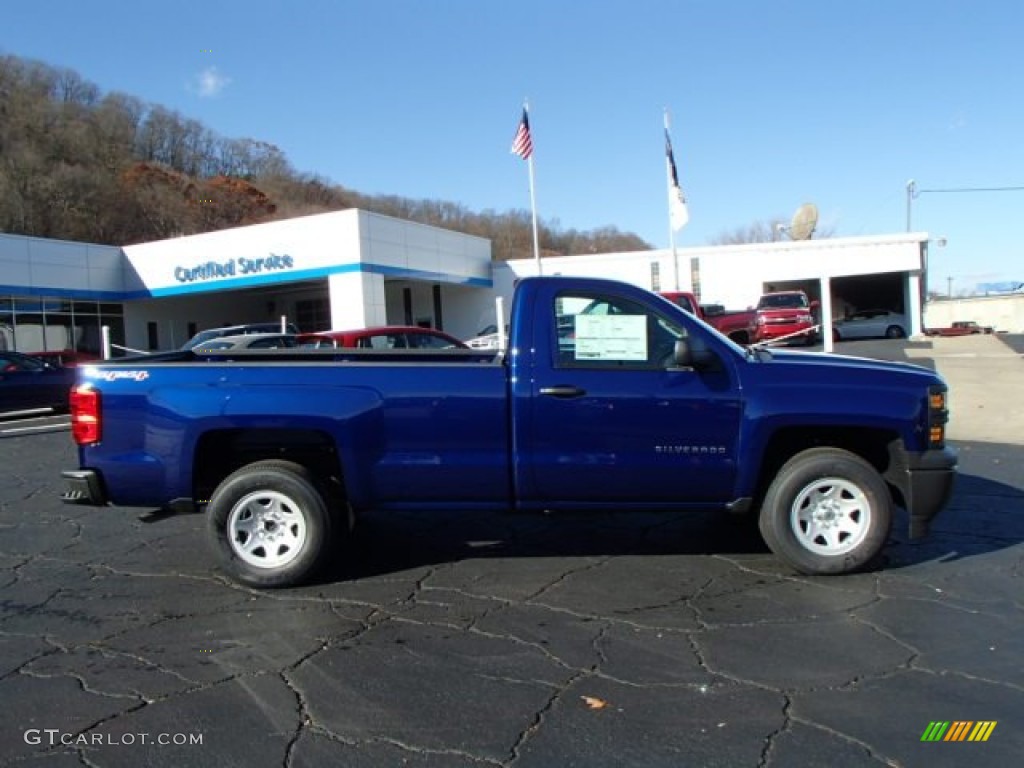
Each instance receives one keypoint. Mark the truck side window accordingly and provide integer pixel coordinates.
(606, 331)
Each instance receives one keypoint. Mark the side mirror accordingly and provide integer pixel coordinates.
(815, 304)
(693, 353)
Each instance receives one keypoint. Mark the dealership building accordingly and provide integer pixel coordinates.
(353, 269)
(348, 269)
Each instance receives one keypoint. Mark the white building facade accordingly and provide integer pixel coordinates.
(884, 271)
(341, 270)
(354, 269)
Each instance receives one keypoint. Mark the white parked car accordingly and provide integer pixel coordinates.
(489, 341)
(871, 324)
(249, 341)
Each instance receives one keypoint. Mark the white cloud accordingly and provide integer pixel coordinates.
(210, 82)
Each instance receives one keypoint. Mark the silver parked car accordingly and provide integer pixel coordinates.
(249, 341)
(237, 330)
(871, 324)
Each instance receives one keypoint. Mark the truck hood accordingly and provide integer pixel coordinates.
(840, 364)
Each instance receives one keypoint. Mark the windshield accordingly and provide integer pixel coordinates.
(783, 301)
(202, 336)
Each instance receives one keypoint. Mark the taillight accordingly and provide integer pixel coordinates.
(85, 415)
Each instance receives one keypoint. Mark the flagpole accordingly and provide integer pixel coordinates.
(671, 229)
(533, 206)
(522, 145)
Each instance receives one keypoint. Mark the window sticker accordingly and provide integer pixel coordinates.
(611, 337)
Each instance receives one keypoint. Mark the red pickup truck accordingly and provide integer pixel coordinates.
(960, 328)
(734, 323)
(785, 313)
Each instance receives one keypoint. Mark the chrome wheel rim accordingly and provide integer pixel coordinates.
(831, 516)
(266, 529)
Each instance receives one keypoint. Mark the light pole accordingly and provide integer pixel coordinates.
(911, 194)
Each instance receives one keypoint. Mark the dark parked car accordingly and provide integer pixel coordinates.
(384, 337)
(28, 384)
(66, 357)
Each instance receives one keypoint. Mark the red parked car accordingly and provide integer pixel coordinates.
(960, 328)
(383, 337)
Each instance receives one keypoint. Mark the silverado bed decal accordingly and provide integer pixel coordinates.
(114, 375)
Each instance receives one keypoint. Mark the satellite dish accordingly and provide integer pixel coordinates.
(804, 221)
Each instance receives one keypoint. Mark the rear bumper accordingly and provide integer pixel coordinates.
(926, 481)
(84, 486)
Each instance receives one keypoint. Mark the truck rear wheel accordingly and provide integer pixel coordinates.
(826, 512)
(269, 524)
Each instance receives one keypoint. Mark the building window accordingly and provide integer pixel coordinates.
(52, 324)
(153, 336)
(438, 315)
(407, 305)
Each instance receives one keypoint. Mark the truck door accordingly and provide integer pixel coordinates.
(610, 419)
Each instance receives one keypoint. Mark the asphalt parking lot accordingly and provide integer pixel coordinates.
(491, 640)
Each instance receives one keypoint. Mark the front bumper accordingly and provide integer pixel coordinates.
(769, 332)
(926, 480)
(84, 486)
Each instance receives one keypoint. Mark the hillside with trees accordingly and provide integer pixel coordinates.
(78, 164)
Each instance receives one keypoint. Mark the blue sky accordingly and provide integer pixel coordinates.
(773, 104)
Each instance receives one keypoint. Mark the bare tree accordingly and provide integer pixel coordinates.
(80, 165)
(773, 230)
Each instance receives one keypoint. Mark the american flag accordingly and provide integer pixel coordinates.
(522, 144)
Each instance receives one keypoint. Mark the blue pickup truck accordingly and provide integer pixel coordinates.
(608, 397)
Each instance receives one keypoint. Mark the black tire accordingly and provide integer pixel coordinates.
(281, 551)
(895, 332)
(826, 512)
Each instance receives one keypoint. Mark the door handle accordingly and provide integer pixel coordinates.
(563, 392)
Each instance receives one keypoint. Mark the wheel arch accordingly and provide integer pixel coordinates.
(220, 452)
(874, 445)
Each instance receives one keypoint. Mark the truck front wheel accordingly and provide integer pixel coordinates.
(269, 524)
(826, 512)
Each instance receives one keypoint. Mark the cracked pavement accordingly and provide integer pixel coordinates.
(480, 639)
